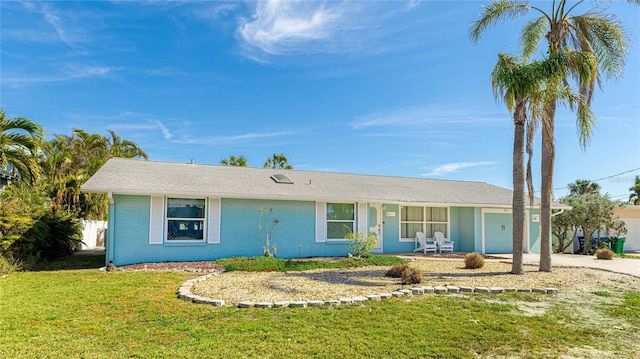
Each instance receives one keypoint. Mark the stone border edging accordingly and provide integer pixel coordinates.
(184, 292)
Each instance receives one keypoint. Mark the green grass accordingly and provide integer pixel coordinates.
(270, 264)
(629, 310)
(86, 313)
(603, 293)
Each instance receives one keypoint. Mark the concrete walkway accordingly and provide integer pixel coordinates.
(630, 266)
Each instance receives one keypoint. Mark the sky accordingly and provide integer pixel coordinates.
(371, 87)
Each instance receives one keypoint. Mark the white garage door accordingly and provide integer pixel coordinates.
(633, 235)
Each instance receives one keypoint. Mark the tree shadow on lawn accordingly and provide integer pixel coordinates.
(71, 262)
(348, 277)
(377, 278)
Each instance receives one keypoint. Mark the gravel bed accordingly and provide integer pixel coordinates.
(328, 284)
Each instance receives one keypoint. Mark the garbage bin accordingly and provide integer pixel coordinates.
(618, 245)
(607, 241)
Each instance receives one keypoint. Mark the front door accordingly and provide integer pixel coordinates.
(375, 224)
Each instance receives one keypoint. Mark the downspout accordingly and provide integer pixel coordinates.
(110, 230)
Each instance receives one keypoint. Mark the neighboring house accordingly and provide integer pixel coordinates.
(160, 211)
(631, 217)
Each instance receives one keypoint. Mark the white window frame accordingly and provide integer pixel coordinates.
(204, 220)
(327, 220)
(424, 222)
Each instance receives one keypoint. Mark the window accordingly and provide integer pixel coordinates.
(340, 219)
(425, 219)
(185, 219)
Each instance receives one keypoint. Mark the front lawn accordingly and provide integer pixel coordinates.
(86, 313)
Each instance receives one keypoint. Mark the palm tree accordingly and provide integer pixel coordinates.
(69, 161)
(119, 147)
(522, 88)
(20, 139)
(239, 161)
(593, 32)
(580, 187)
(278, 161)
(634, 197)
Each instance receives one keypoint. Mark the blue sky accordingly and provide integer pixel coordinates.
(390, 88)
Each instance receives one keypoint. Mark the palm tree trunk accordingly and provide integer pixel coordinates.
(547, 160)
(518, 205)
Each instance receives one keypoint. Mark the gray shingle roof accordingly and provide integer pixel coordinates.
(128, 176)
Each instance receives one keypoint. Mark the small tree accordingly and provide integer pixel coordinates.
(361, 242)
(266, 224)
(593, 212)
(561, 225)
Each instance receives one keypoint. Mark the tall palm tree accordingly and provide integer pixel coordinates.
(580, 187)
(20, 139)
(634, 197)
(522, 88)
(594, 32)
(278, 160)
(238, 161)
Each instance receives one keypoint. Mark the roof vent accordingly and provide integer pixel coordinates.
(280, 178)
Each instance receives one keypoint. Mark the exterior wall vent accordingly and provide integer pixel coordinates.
(283, 179)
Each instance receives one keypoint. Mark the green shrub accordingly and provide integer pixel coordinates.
(30, 231)
(361, 243)
(7, 266)
(252, 264)
(473, 260)
(268, 264)
(604, 253)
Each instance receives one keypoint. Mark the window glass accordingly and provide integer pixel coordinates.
(340, 211)
(436, 214)
(340, 220)
(426, 219)
(412, 213)
(185, 219)
(409, 229)
(435, 227)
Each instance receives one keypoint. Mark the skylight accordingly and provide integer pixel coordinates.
(280, 178)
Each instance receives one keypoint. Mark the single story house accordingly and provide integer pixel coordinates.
(161, 211)
(630, 214)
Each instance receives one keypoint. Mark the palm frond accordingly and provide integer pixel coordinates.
(603, 35)
(496, 12)
(532, 34)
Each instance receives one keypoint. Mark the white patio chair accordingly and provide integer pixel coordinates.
(443, 243)
(426, 245)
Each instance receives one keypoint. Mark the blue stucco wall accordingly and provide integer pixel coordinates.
(128, 235)
(391, 231)
(239, 234)
(534, 233)
(131, 236)
(462, 229)
(294, 235)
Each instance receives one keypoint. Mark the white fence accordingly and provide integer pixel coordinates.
(93, 234)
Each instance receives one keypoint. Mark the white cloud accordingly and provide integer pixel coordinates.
(425, 115)
(447, 168)
(235, 139)
(71, 73)
(283, 26)
(299, 27)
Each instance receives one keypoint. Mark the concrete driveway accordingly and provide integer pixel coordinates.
(630, 266)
